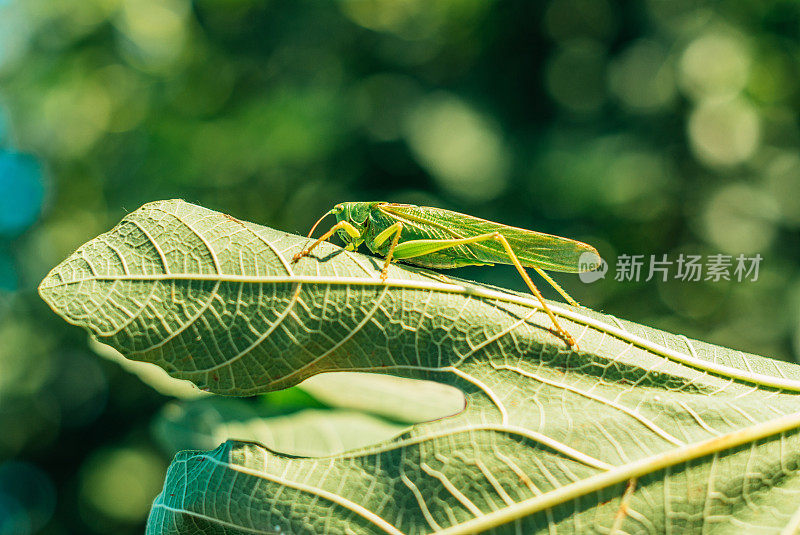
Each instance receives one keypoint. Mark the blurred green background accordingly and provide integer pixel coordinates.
(643, 127)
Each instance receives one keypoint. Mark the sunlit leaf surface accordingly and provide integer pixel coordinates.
(205, 423)
(550, 438)
(395, 398)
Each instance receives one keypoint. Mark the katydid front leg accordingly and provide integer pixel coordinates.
(415, 248)
(347, 227)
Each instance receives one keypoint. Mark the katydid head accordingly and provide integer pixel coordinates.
(357, 214)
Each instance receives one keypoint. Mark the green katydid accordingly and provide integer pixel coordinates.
(440, 239)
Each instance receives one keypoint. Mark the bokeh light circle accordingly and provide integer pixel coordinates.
(462, 148)
(21, 191)
(120, 483)
(27, 498)
(724, 132)
(576, 76)
(715, 64)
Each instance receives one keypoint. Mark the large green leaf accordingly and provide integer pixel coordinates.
(550, 438)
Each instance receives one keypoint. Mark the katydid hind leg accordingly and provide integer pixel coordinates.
(557, 287)
(416, 248)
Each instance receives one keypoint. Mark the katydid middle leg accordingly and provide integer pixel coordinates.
(415, 248)
(381, 238)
